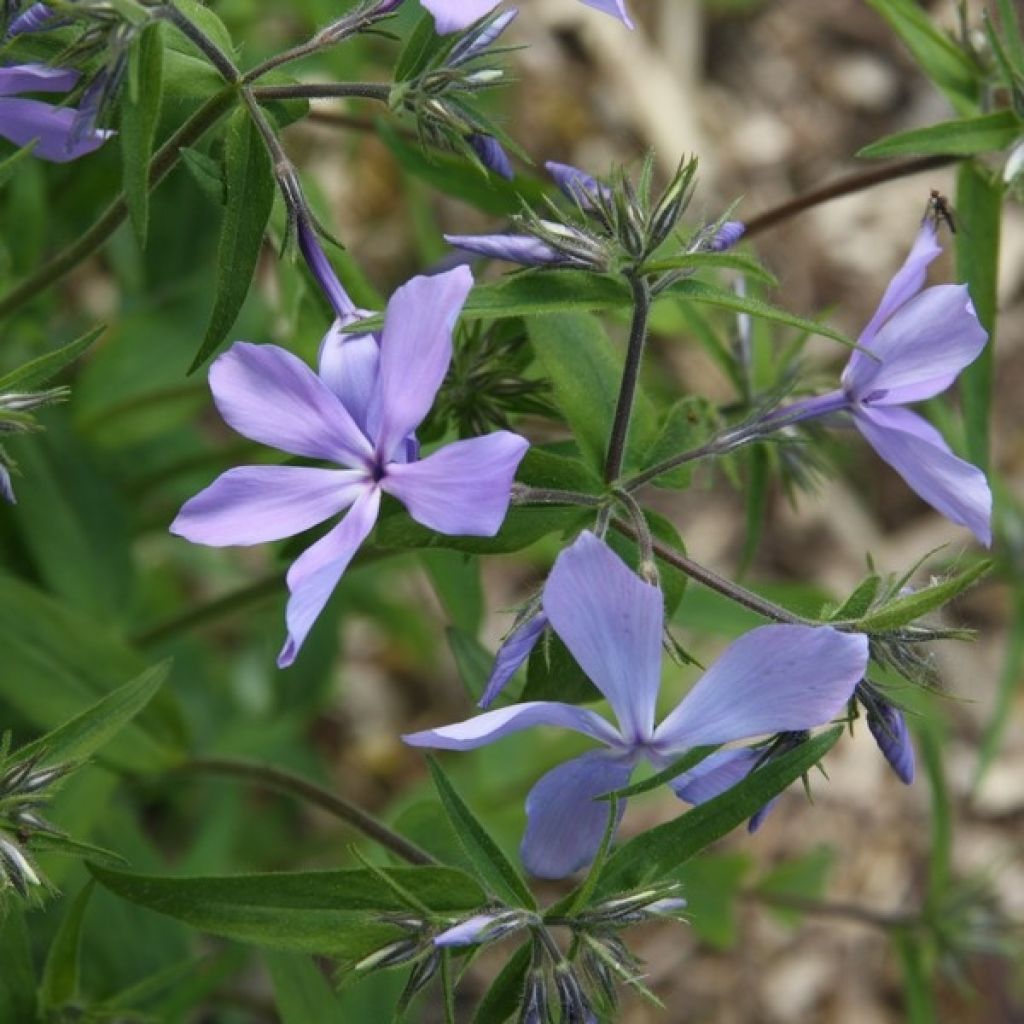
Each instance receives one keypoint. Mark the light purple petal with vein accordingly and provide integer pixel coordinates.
(350, 366)
(616, 8)
(415, 350)
(515, 649)
(255, 504)
(51, 127)
(316, 572)
(523, 249)
(493, 725)
(921, 348)
(565, 822)
(918, 452)
(35, 78)
(772, 679)
(271, 396)
(611, 621)
(464, 488)
(453, 15)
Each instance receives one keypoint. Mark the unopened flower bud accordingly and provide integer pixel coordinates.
(727, 235)
(573, 1002)
(37, 18)
(481, 928)
(15, 865)
(889, 728)
(534, 1009)
(577, 185)
(6, 486)
(475, 43)
(399, 952)
(30, 400)
(492, 155)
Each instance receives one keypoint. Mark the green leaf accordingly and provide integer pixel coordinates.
(905, 610)
(585, 372)
(506, 991)
(45, 367)
(17, 979)
(250, 196)
(979, 199)
(472, 659)
(456, 580)
(688, 424)
(712, 887)
(301, 992)
(858, 603)
(938, 56)
(82, 736)
(207, 173)
(715, 261)
(1011, 35)
(422, 44)
(305, 912)
(494, 867)
(802, 877)
(683, 764)
(10, 164)
(756, 495)
(967, 137)
(663, 849)
(140, 114)
(60, 974)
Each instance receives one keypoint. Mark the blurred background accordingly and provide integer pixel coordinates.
(799, 923)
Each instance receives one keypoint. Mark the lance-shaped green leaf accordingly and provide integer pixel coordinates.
(506, 991)
(984, 134)
(302, 993)
(714, 261)
(659, 851)
(17, 979)
(43, 368)
(494, 867)
(945, 63)
(90, 731)
(140, 114)
(681, 765)
(907, 609)
(250, 196)
(472, 659)
(326, 912)
(858, 603)
(60, 974)
(422, 44)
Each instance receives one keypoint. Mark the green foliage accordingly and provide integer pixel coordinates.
(967, 137)
(59, 986)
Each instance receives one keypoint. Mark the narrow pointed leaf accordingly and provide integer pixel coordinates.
(966, 137)
(45, 367)
(60, 974)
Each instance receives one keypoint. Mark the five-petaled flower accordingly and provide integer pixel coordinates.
(360, 412)
(915, 346)
(773, 679)
(54, 129)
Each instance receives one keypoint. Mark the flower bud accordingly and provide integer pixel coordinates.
(572, 1000)
(6, 486)
(492, 155)
(476, 42)
(889, 728)
(481, 928)
(395, 953)
(727, 235)
(16, 867)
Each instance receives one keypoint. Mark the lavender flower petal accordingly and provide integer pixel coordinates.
(516, 648)
(611, 621)
(565, 822)
(920, 349)
(316, 572)
(465, 933)
(321, 269)
(455, 15)
(577, 185)
(889, 728)
(523, 249)
(416, 348)
(475, 43)
(35, 78)
(918, 452)
(37, 18)
(462, 489)
(492, 155)
(772, 679)
(271, 396)
(616, 8)
(350, 367)
(255, 504)
(52, 128)
(493, 725)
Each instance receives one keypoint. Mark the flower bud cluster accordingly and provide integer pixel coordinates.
(17, 417)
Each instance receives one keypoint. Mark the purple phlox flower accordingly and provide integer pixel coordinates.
(359, 412)
(889, 728)
(492, 155)
(514, 651)
(727, 235)
(55, 130)
(455, 15)
(577, 185)
(919, 342)
(773, 679)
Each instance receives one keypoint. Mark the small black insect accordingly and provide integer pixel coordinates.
(940, 210)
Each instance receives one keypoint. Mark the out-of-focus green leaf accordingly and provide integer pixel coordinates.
(304, 912)
(967, 137)
(494, 867)
(422, 44)
(302, 993)
(938, 56)
(860, 600)
(17, 979)
(472, 659)
(711, 886)
(506, 991)
(688, 423)
(979, 196)
(10, 164)
(804, 877)
(87, 733)
(456, 580)
(60, 973)
(905, 610)
(661, 850)
(917, 978)
(758, 480)
(716, 261)
(45, 367)
(140, 114)
(250, 196)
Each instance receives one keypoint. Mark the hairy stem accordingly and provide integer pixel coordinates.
(856, 182)
(162, 163)
(216, 56)
(630, 375)
(713, 581)
(322, 91)
(311, 793)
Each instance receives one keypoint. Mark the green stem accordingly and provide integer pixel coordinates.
(630, 376)
(322, 91)
(311, 793)
(217, 57)
(886, 920)
(856, 182)
(163, 161)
